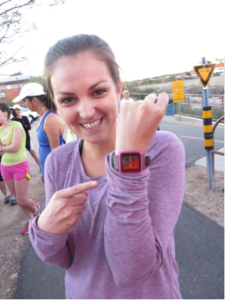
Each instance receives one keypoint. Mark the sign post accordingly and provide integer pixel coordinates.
(204, 73)
(178, 93)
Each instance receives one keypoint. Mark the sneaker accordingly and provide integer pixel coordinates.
(26, 229)
(7, 198)
(38, 209)
(13, 201)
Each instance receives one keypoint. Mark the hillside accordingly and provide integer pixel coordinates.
(192, 86)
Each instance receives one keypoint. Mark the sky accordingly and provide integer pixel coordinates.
(148, 37)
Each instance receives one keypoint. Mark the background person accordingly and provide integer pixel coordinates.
(126, 96)
(14, 165)
(7, 196)
(16, 111)
(115, 241)
(50, 127)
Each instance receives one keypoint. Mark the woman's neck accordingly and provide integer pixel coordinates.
(100, 150)
(40, 110)
(6, 124)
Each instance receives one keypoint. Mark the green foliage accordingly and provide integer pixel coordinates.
(220, 60)
(197, 112)
(217, 112)
(38, 79)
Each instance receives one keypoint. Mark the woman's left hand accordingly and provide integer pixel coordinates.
(139, 121)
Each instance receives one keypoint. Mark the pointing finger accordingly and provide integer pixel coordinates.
(77, 189)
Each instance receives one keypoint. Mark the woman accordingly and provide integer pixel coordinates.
(14, 165)
(112, 230)
(50, 128)
(16, 111)
(7, 196)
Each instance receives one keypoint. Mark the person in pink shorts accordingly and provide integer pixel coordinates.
(14, 165)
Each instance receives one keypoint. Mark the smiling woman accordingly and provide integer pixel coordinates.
(109, 220)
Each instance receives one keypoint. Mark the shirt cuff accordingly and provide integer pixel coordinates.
(34, 231)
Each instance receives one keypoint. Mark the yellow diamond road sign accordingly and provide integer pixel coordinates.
(204, 73)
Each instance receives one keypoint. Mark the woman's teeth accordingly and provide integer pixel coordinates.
(91, 125)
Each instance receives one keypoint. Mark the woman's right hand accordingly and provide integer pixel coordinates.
(65, 208)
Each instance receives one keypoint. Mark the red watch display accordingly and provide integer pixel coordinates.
(131, 162)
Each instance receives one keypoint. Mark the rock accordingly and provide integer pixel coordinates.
(13, 276)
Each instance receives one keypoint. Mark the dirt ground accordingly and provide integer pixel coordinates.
(13, 245)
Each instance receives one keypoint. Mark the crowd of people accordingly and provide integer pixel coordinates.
(113, 195)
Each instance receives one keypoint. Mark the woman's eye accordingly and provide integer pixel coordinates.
(66, 100)
(99, 92)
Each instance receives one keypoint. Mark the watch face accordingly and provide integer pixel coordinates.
(130, 162)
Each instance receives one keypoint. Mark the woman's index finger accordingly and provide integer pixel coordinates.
(77, 189)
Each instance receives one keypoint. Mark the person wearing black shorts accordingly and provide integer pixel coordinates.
(16, 111)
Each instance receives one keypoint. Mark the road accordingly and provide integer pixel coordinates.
(192, 138)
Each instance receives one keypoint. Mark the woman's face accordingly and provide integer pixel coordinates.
(18, 112)
(86, 96)
(3, 116)
(28, 104)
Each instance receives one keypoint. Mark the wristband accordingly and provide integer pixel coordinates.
(131, 162)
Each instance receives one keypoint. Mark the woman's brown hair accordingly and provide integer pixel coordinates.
(76, 44)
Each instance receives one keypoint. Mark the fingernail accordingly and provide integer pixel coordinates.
(94, 183)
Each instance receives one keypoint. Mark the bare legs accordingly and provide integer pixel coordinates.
(3, 188)
(34, 155)
(18, 189)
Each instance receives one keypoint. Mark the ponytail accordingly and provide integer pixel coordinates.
(13, 112)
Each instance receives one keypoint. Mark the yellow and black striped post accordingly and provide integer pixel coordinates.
(207, 126)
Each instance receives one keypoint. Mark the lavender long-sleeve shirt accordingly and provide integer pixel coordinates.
(123, 245)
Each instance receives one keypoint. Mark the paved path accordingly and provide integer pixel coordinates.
(199, 249)
(199, 252)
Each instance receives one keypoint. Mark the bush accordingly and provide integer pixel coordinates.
(217, 112)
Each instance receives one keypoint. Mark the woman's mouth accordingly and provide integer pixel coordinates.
(93, 125)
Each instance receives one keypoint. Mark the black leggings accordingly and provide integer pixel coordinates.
(1, 179)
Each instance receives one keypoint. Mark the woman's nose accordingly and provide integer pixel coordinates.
(86, 109)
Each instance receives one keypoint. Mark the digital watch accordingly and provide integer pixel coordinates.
(131, 162)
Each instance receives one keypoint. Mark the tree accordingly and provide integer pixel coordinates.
(13, 25)
(221, 60)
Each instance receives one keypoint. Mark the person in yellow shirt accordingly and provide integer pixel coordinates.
(14, 165)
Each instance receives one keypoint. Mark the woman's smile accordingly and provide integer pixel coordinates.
(92, 125)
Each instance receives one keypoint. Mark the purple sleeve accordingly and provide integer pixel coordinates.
(51, 248)
(142, 211)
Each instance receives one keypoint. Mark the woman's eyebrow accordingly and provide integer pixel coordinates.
(90, 88)
(65, 93)
(94, 85)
